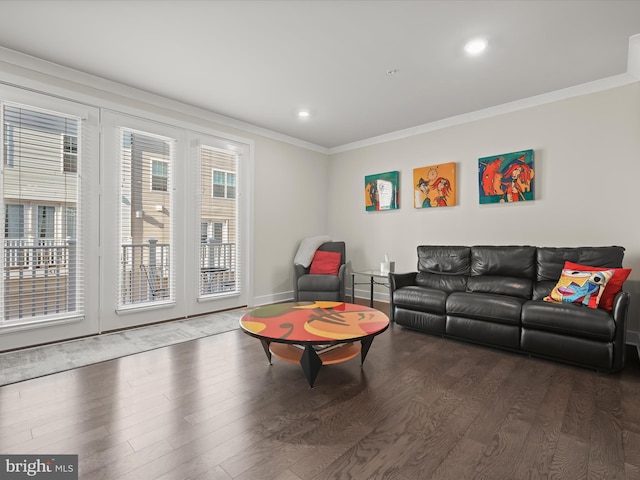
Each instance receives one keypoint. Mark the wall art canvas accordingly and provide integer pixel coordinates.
(381, 191)
(506, 178)
(435, 186)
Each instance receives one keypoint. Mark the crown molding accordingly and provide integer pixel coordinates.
(50, 78)
(579, 90)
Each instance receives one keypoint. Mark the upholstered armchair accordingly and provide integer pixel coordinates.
(323, 279)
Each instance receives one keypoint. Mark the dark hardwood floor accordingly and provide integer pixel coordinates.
(422, 407)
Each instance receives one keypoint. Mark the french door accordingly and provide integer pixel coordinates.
(173, 223)
(113, 221)
(49, 151)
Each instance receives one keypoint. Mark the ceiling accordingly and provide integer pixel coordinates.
(261, 61)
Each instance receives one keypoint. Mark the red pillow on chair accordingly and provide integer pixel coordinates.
(325, 263)
(613, 286)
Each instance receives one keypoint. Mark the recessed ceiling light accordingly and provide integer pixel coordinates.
(475, 46)
(303, 114)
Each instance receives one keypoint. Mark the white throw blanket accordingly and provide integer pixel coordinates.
(307, 249)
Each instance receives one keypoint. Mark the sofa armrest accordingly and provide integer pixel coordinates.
(399, 280)
(619, 313)
(298, 271)
(342, 271)
(396, 281)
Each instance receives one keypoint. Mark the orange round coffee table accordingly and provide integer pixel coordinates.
(315, 333)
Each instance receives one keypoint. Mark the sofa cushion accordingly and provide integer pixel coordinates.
(318, 282)
(507, 261)
(580, 287)
(543, 289)
(501, 285)
(483, 306)
(443, 259)
(550, 260)
(568, 319)
(421, 298)
(610, 257)
(448, 283)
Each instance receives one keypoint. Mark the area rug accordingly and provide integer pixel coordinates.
(29, 363)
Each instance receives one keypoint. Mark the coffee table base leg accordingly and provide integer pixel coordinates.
(311, 364)
(265, 347)
(365, 345)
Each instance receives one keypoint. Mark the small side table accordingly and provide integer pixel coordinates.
(373, 275)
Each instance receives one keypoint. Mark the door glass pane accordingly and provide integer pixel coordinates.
(42, 264)
(219, 272)
(146, 273)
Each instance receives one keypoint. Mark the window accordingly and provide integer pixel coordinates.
(159, 175)
(46, 221)
(14, 221)
(224, 184)
(214, 231)
(42, 278)
(70, 154)
(217, 231)
(70, 219)
(146, 273)
(8, 145)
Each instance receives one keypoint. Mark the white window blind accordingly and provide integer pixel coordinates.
(146, 258)
(42, 258)
(219, 252)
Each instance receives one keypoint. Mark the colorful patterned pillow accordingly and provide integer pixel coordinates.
(614, 286)
(580, 287)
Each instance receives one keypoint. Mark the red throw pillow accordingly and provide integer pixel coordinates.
(325, 263)
(613, 286)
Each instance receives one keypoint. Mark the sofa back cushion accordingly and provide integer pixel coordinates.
(500, 285)
(550, 262)
(444, 259)
(508, 261)
(601, 256)
(502, 270)
(446, 283)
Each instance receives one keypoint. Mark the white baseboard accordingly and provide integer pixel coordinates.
(366, 294)
(274, 298)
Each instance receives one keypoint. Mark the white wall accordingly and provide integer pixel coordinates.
(587, 162)
(290, 204)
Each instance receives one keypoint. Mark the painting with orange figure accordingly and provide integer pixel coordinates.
(435, 186)
(506, 178)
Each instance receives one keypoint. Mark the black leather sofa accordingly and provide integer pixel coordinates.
(492, 295)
